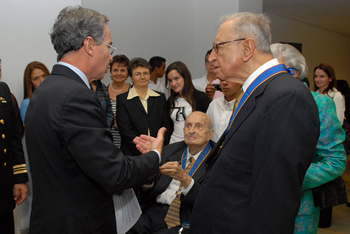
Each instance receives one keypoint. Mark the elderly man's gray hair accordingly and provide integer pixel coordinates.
(256, 26)
(73, 25)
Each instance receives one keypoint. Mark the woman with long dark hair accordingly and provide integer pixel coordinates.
(34, 74)
(184, 98)
(326, 83)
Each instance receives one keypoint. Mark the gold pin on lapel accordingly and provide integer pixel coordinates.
(3, 100)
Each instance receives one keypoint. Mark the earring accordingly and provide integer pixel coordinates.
(330, 80)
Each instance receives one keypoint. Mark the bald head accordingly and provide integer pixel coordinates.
(198, 130)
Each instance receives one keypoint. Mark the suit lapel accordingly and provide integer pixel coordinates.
(138, 104)
(150, 104)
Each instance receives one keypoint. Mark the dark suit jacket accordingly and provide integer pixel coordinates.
(133, 120)
(11, 152)
(254, 185)
(75, 165)
(156, 212)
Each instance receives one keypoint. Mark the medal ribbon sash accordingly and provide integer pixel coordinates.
(198, 162)
(267, 74)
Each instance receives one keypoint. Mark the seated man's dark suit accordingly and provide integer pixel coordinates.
(152, 219)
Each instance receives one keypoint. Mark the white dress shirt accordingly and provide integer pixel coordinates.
(254, 75)
(220, 112)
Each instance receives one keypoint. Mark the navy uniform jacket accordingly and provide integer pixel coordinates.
(12, 164)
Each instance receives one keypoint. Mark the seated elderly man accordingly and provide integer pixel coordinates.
(182, 172)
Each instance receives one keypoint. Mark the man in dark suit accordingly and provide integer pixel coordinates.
(198, 131)
(256, 169)
(13, 171)
(75, 165)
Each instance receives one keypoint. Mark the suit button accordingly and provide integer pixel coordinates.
(2, 121)
(4, 164)
(5, 150)
(3, 136)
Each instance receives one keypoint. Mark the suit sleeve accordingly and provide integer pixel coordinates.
(331, 157)
(281, 157)
(126, 129)
(83, 126)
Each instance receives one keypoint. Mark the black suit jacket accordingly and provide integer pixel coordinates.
(253, 184)
(132, 119)
(12, 163)
(75, 165)
(157, 212)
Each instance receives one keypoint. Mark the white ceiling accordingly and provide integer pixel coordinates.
(333, 15)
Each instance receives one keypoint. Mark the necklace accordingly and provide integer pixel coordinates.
(117, 91)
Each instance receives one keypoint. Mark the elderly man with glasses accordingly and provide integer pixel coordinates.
(75, 165)
(255, 171)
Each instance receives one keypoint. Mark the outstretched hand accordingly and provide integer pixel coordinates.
(146, 143)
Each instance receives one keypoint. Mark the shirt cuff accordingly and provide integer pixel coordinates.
(160, 159)
(184, 191)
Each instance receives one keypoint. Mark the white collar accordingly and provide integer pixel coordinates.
(77, 71)
(257, 72)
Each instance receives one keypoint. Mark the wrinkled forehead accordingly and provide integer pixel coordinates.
(196, 118)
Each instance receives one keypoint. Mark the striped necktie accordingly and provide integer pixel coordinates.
(172, 218)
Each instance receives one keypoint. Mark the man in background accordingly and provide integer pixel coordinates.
(209, 83)
(220, 110)
(156, 82)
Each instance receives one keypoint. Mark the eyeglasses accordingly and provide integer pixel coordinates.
(216, 45)
(111, 48)
(138, 74)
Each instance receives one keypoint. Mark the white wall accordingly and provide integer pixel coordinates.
(319, 45)
(176, 30)
(25, 27)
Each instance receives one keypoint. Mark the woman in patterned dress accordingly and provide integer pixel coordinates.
(330, 159)
(119, 74)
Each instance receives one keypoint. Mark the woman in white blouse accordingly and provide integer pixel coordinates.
(326, 83)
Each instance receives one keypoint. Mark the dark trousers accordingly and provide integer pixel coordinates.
(7, 224)
(325, 217)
